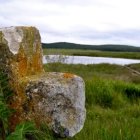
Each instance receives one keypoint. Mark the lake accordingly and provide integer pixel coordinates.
(87, 60)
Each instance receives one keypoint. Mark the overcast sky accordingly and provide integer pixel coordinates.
(78, 21)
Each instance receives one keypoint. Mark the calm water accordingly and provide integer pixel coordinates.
(87, 60)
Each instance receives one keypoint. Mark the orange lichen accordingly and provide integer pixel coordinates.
(16, 104)
(68, 75)
(27, 62)
(36, 60)
(22, 62)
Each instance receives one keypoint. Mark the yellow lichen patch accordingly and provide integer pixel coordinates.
(25, 63)
(22, 63)
(31, 44)
(68, 75)
(37, 60)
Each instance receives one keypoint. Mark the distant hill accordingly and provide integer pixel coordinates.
(107, 47)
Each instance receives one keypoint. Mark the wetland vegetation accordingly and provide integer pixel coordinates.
(112, 101)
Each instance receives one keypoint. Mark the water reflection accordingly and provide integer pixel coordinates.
(87, 60)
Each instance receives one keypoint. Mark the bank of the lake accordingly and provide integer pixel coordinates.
(87, 60)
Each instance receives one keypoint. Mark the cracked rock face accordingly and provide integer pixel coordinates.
(56, 99)
(61, 99)
(24, 43)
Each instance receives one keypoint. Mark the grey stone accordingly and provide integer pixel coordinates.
(61, 100)
(14, 37)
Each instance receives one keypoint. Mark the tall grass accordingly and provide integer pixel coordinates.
(80, 52)
(5, 112)
(111, 113)
(112, 101)
(106, 71)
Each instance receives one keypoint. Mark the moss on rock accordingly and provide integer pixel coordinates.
(21, 54)
(57, 99)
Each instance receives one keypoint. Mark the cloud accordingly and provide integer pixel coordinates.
(130, 37)
(79, 21)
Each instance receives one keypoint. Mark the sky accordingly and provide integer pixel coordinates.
(77, 21)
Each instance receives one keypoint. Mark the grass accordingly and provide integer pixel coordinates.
(112, 101)
(135, 67)
(88, 72)
(80, 52)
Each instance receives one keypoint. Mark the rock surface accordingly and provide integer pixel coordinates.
(60, 97)
(56, 99)
(24, 43)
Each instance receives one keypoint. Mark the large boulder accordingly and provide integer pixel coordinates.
(56, 99)
(20, 56)
(60, 98)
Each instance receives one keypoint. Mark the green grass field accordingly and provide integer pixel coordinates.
(112, 101)
(80, 52)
